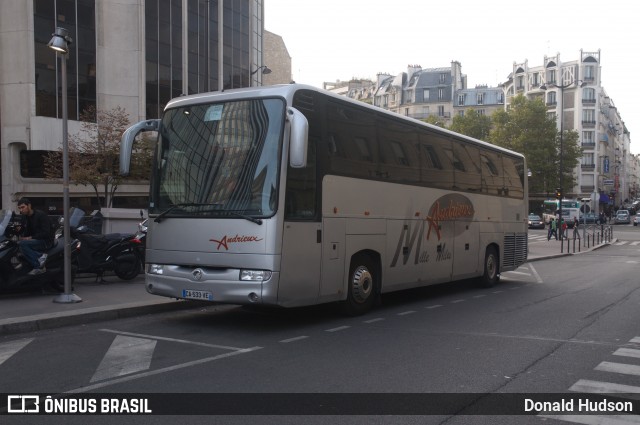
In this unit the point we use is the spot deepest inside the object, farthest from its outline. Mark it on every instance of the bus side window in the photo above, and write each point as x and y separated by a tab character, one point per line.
467	174
492	177
436	169
513	176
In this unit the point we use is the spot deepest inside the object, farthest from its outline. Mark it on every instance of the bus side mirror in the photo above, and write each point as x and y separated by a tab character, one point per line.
298	140
126	142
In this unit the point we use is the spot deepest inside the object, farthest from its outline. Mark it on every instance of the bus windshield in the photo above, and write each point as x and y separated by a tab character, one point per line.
218	160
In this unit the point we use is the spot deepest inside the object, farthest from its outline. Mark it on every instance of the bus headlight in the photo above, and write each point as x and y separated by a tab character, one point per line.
255	275
155	269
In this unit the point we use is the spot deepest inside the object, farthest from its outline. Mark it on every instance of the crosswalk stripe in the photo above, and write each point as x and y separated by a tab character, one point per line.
635	243
596	420
628	352
126	355
596	387
8	349
626	369
621	243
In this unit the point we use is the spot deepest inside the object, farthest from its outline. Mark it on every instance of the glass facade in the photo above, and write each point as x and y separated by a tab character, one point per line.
77	17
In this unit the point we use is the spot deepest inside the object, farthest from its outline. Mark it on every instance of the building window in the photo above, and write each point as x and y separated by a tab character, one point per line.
588	138
77	17
588	95
588	116
535	79
461	113
461	99
481	112
443	78
551	76
480	99
440	94
589	73
441	111
551	98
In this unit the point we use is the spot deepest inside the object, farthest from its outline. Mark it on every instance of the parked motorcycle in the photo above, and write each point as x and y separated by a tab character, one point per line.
115	252
14	269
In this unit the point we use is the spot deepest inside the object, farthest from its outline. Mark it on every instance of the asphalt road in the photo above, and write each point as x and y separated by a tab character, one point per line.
554	326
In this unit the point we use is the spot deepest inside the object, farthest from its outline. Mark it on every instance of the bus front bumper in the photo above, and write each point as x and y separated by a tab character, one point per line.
214	285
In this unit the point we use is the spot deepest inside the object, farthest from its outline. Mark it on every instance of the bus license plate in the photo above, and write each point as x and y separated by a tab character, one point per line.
197	295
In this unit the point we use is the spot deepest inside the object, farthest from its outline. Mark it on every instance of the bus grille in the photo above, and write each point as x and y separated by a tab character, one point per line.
515	250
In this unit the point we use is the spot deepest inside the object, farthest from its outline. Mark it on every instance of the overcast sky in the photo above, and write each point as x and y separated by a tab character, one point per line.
331	40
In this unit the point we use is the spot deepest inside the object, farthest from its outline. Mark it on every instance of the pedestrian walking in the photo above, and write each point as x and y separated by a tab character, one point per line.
553	231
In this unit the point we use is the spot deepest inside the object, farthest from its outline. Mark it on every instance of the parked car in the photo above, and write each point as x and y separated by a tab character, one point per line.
636	220
622	217
535	222
589	218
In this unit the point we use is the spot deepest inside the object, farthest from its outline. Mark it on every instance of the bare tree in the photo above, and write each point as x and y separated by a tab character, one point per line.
94	154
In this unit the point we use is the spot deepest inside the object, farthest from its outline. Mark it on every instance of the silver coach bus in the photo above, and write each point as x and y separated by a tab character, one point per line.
289	195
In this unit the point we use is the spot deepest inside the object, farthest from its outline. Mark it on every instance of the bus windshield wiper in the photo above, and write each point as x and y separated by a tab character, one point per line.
158	219
258	221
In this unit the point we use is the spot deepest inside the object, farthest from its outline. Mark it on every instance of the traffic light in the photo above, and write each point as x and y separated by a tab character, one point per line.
559	193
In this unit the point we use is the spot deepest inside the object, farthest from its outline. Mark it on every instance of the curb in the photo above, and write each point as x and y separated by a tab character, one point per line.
565	254
90	315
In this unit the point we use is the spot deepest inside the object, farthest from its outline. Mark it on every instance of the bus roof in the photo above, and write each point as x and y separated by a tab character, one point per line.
287	91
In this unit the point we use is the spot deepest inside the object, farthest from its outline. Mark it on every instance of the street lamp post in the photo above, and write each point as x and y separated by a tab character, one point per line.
59	42
562	87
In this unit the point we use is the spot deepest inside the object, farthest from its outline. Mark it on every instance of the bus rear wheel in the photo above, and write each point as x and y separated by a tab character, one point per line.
491	274
363	286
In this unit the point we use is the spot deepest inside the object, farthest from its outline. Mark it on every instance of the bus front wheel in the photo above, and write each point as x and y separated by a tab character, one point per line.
491	274
363	287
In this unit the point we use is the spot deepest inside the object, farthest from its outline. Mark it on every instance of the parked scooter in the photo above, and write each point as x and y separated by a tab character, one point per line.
14	269
101	253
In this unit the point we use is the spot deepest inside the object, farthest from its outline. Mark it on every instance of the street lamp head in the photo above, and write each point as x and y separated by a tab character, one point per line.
60	41
265	70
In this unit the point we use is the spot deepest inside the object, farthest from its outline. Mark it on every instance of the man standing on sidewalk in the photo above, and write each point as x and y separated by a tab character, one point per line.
36	236
552	229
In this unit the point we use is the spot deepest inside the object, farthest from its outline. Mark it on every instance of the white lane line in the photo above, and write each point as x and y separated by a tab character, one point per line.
181	341
297	338
433	306
126	355
625	369
457	301
377	319
8	349
597	387
90	388
480	296
627	352
497	292
535	273
339	328
404	313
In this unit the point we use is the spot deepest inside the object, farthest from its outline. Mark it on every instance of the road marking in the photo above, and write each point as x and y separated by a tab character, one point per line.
628	352
126	355
433	306
339	328
404	313
90	388
457	301
625	369
497	292
480	296
377	319
596	420
8	349
181	341
535	273
297	338
635	340
596	387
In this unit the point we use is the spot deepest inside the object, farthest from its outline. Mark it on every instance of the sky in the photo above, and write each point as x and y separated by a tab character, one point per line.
330	40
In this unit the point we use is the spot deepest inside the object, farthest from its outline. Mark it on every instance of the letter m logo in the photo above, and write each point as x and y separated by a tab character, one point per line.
406	242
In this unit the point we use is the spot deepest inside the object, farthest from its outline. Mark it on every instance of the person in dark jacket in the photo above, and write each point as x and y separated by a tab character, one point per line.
36	236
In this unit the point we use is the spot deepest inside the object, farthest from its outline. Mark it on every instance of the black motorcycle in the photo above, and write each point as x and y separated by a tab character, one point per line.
14	269
111	252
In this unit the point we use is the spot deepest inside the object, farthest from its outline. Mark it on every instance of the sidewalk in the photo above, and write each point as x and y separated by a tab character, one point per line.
27	312
116	299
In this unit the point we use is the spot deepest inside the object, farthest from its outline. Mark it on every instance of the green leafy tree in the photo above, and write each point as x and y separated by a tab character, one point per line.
433	119
527	128
472	124
94	154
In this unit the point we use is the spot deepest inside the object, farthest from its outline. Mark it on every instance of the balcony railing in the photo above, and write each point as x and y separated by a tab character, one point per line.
588	166
588	124
588	101
589	145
